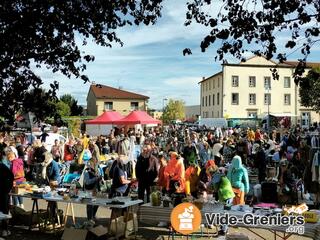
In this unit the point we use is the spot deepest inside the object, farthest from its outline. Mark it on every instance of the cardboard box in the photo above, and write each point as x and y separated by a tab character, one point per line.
99	231
72	234
310	217
119	231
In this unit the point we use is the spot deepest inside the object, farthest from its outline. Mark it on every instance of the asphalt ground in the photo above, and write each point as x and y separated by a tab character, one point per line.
145	231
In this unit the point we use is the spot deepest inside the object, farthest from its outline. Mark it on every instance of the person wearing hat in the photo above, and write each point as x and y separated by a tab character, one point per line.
238	176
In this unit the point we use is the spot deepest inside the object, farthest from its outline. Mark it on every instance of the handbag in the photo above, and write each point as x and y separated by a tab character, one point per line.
86	155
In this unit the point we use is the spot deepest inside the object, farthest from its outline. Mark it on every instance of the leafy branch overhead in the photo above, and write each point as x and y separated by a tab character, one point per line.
35	34
254	26
309	90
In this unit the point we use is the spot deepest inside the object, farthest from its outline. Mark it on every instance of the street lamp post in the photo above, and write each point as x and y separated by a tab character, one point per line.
268	119
163	100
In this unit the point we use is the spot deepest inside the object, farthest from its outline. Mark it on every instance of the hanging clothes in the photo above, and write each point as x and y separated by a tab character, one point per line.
315	142
315	167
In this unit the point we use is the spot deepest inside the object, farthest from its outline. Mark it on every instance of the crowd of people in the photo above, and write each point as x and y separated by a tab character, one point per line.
175	160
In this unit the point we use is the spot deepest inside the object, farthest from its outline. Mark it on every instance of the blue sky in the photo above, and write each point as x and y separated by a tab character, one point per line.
151	60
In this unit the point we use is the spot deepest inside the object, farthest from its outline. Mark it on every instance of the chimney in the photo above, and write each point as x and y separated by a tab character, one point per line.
203	78
93	83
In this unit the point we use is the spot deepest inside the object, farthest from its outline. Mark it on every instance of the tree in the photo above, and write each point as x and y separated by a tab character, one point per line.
63	109
243	26
36	34
38	102
75	110
309	90
174	110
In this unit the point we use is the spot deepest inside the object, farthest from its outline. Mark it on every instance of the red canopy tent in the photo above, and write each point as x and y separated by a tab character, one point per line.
108	117
137	117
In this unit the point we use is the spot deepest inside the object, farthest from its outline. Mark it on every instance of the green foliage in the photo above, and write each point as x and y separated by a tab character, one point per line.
75	110
309	90
174	110
63	109
253	26
74	126
40	103
42	34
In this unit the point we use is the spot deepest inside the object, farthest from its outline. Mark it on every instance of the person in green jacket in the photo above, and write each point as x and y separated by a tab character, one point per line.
225	192
238	176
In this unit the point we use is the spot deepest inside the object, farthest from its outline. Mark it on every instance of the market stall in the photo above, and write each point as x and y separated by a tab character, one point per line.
147	212
71	197
103	124
137	117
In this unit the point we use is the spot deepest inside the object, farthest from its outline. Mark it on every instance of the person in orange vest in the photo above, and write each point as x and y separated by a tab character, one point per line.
192	179
175	174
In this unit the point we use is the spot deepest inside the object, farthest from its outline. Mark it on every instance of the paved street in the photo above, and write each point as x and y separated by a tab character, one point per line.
147	232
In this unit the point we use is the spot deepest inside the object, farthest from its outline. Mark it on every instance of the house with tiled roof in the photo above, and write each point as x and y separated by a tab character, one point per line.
105	98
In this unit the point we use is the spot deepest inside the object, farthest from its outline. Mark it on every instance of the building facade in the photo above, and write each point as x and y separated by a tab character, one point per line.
192	112
247	90
105	98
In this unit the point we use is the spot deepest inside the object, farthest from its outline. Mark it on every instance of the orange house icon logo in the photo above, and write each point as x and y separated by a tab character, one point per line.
185	218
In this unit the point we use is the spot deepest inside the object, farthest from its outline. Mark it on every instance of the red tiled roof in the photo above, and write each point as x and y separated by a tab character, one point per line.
102	91
308	64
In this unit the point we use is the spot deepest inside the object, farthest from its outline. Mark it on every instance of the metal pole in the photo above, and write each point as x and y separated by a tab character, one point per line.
163	100
269	98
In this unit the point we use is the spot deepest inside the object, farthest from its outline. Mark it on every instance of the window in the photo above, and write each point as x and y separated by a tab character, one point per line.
213	98
287	99
206	100
134	106
218	82
252	115
267	82
213	84
235	81
287	82
267	99
202	101
252	81
210	85
235	98
252	99
108	105
209	100
218	98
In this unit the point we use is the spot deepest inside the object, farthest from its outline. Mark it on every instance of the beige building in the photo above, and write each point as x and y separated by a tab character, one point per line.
104	98
247	90
156	114
192	112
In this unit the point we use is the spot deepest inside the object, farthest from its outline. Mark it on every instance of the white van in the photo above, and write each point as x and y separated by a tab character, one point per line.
213	122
